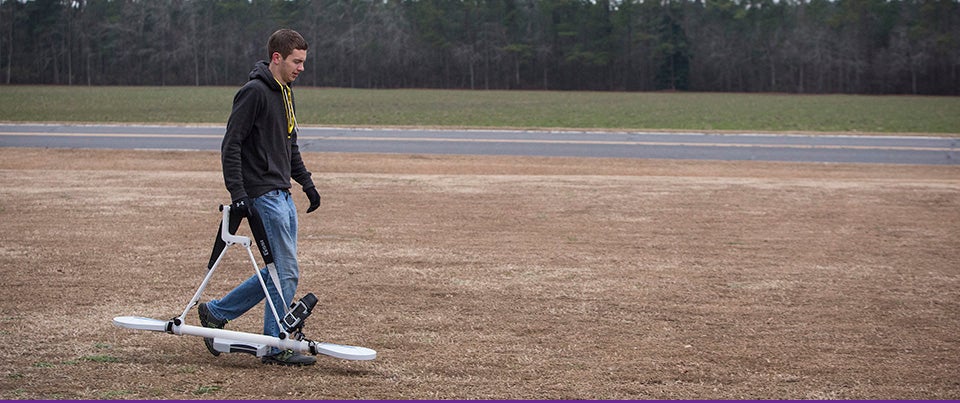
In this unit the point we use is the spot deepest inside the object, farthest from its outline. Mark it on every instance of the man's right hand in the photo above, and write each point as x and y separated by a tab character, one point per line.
242	206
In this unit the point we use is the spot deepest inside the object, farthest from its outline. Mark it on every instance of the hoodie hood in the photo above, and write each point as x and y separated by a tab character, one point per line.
261	71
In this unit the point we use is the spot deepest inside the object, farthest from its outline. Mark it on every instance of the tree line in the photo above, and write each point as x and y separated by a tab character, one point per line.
793	46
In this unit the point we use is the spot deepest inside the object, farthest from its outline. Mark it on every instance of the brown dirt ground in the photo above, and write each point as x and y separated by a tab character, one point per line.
496	278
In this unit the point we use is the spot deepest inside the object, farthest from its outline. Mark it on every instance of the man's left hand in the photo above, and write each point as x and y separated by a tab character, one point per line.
314	197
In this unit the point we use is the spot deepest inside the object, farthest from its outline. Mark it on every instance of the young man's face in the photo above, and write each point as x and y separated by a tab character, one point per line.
288	69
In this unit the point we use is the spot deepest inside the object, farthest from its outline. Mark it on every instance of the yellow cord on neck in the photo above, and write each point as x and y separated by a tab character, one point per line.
288	107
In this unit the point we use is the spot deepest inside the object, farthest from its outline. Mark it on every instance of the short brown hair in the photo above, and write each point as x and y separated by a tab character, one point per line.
284	41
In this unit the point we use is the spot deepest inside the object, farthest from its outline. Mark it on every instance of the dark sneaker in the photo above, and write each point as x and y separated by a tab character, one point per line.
288	357
207	320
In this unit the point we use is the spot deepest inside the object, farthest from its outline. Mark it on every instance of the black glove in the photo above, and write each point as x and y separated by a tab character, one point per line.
242	206
314	198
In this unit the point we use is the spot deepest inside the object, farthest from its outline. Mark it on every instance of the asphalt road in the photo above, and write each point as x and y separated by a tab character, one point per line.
696	146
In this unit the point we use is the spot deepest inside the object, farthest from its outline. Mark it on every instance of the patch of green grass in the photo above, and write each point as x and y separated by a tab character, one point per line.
115	104
206	389
631	111
113	394
499	109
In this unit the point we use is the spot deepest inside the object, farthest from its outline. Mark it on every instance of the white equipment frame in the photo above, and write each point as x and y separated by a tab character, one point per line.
234	341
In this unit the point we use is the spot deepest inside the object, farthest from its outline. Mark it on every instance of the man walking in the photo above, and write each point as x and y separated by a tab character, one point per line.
259	154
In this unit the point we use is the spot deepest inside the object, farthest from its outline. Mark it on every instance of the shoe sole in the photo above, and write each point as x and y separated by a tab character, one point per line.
209	344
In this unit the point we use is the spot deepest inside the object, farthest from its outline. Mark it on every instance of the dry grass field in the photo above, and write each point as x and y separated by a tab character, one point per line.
496	278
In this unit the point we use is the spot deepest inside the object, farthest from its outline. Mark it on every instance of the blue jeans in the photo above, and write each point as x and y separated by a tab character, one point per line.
279	217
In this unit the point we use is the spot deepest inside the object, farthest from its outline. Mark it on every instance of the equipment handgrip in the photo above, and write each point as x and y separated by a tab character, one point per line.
225	230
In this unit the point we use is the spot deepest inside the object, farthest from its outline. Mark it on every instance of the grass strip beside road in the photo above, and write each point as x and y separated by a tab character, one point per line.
850	114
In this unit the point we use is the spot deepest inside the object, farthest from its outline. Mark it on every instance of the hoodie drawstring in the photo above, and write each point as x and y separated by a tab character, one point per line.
288	107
